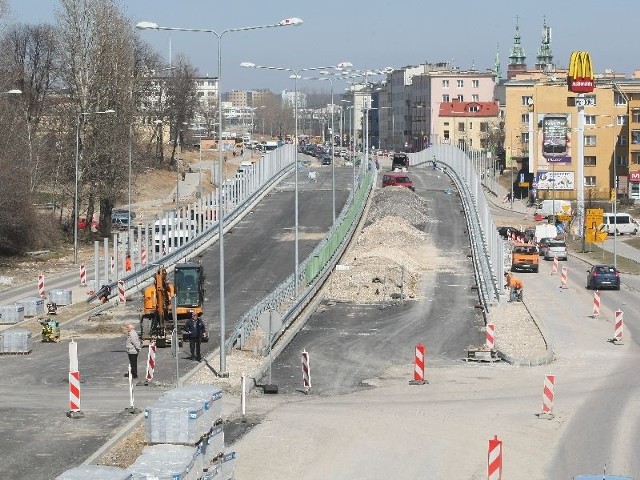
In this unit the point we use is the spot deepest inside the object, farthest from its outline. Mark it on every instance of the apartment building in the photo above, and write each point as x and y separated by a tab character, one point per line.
412	101
541	136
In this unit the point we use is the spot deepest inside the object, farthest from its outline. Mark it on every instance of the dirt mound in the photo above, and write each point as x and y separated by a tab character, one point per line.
399	202
391	253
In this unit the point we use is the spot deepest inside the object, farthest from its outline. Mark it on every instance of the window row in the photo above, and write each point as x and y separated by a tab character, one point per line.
460	83
460	98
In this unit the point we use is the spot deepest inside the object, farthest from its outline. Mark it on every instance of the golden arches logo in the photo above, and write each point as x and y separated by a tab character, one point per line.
580	76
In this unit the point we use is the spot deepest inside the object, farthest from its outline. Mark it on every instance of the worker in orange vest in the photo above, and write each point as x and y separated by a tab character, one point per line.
515	286
127	263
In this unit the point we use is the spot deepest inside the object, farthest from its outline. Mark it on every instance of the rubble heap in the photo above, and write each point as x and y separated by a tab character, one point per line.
391	253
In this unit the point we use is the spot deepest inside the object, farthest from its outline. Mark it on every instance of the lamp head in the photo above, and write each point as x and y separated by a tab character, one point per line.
147	26
247	64
292	21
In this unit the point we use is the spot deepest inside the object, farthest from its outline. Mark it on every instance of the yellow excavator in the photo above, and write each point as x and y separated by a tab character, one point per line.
156	323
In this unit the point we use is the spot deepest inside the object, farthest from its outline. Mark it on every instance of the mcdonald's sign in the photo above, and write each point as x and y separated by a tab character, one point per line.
580	76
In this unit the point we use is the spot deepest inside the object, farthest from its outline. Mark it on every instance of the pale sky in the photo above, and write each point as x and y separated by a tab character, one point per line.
374	34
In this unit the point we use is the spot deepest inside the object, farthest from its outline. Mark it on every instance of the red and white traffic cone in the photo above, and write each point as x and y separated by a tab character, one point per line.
151	362
490	340
596	303
121	292
41	285
418	366
306	372
548	396
563	278
618	325
83	275
494	460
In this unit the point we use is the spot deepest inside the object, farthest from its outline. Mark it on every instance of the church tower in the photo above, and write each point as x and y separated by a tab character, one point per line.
517	58
544	60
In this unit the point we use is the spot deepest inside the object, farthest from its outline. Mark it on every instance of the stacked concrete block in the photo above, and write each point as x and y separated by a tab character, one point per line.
33	306
61	297
16	340
95	472
184	415
223	469
166	462
11	314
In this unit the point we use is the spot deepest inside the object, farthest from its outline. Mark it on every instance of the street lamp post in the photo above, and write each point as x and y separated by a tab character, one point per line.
293	21
295	75
76	217
130	161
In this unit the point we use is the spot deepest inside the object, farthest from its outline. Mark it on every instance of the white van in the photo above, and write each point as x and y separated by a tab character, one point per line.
621	222
547	207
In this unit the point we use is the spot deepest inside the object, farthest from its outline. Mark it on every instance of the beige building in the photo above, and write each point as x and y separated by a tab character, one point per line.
541	135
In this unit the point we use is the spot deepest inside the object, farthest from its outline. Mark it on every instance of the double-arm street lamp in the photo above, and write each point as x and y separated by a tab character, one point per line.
293	21
76	217
295	75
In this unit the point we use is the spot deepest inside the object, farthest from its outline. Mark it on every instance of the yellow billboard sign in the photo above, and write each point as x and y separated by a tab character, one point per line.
580	77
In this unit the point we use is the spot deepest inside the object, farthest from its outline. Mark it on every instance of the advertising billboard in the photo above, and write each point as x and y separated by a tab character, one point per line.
555	180
554	139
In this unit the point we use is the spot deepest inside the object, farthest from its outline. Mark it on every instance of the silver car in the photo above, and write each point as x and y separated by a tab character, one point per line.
556	249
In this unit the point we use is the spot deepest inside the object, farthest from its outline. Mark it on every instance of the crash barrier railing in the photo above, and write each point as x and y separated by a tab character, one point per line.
468	170
314	271
238	198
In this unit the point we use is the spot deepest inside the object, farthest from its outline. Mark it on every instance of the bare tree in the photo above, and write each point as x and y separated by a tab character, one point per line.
181	101
27	56
98	45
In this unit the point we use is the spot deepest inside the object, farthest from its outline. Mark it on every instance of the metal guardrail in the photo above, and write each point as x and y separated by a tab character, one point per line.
283	298
283	156
487	246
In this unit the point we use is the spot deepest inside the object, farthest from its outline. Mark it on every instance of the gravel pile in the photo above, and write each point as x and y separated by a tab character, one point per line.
390	255
399	202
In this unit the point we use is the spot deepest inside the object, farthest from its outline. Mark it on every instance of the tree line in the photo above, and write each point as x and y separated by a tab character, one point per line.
53	80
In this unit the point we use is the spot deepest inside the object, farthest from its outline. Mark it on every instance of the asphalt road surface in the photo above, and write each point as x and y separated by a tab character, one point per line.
350	343
362	419
38	441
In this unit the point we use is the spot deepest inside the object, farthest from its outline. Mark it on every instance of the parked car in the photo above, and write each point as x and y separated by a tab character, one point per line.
543	244
397	179
325	159
603	276
555	249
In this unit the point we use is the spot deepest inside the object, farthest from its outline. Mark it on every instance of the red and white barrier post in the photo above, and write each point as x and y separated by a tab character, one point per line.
418	366
74	382
494	461
306	372
563	278
618	325
554	269
83	275
143	256
41	285
547	396
121	292
151	362
490	341
596	303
